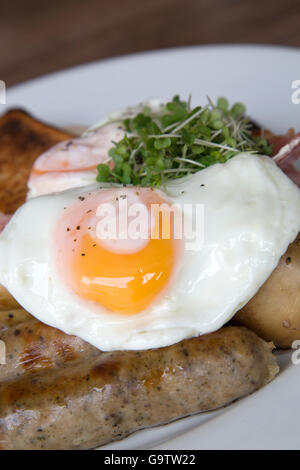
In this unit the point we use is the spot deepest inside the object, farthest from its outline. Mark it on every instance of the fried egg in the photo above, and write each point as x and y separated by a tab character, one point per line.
73	163
123	292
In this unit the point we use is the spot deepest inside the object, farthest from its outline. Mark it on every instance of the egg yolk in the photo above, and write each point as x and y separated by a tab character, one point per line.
124	276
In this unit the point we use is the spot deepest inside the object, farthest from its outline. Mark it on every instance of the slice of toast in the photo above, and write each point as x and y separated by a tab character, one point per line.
22	140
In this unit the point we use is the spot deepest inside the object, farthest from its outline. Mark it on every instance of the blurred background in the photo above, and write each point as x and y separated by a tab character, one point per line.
40	37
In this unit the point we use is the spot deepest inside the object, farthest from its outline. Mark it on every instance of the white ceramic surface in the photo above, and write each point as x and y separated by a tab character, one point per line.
262	78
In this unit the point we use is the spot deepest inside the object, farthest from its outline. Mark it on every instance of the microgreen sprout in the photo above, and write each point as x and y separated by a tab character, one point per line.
179	140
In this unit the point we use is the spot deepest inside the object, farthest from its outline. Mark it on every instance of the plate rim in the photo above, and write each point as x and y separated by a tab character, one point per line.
154	53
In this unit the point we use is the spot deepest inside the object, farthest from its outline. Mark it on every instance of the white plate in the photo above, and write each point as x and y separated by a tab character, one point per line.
262	78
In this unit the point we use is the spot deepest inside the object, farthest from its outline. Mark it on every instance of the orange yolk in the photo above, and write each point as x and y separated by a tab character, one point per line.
122	282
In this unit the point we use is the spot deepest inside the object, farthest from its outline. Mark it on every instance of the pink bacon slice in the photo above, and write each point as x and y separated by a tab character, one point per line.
287	155
293	173
286	151
4	219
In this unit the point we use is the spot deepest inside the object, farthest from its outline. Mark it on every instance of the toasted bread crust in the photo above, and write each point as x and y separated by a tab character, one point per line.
22	140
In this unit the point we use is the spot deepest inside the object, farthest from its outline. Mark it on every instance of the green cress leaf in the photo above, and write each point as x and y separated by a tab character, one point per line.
162	143
178	141
103	173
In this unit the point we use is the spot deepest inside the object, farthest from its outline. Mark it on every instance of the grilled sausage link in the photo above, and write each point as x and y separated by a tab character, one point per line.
12	317
7	301
33	346
88	403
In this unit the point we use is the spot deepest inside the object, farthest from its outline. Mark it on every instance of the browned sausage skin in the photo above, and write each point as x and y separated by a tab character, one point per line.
7	301
97	399
12	317
33	346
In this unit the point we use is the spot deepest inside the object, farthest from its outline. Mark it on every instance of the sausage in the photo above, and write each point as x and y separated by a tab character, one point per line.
12	317
7	301
33	346
274	312
97	399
